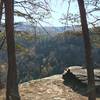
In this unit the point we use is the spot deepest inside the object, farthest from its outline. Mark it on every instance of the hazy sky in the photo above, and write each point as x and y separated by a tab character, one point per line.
59	8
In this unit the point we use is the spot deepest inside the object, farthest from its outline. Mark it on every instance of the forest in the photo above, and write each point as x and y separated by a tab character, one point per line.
34	55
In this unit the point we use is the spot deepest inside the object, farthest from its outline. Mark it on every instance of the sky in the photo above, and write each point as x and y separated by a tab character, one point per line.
59	8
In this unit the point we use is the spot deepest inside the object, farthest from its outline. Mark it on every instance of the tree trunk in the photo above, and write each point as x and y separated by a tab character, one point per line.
12	86
88	56
1	8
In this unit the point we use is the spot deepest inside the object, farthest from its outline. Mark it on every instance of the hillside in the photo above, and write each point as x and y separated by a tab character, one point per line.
45	56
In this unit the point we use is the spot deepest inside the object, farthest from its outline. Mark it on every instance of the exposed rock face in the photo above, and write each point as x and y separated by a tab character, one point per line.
79	74
56	88
50	88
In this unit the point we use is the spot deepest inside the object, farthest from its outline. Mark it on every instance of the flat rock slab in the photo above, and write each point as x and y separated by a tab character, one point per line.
50	88
81	73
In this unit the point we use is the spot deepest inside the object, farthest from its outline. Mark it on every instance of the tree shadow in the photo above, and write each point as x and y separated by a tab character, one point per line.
79	83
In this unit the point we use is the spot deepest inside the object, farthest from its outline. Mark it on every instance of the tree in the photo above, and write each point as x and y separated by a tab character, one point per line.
89	63
92	10
12	87
1	8
32	10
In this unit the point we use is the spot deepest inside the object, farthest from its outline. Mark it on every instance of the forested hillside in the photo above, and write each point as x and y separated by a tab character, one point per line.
42	56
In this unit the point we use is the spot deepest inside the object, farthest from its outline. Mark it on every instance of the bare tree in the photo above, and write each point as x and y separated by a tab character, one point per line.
89	63
1	9
92	6
35	11
12	87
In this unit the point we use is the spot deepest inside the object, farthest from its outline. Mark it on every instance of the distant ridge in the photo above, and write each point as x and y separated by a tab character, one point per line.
53	30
